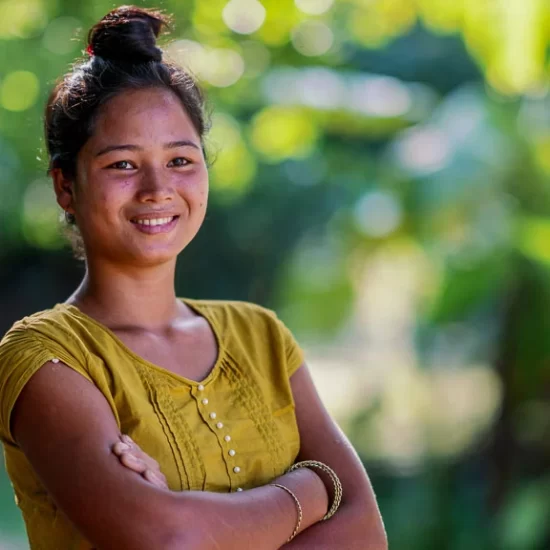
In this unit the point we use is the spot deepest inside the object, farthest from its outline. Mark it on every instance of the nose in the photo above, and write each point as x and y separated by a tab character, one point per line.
155	187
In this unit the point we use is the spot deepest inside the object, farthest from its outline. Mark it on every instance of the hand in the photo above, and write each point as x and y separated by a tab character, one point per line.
133	458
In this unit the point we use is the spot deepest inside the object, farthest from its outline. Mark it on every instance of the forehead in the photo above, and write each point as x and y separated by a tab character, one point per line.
143	115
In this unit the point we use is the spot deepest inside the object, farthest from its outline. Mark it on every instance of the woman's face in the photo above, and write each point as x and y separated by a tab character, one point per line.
142	184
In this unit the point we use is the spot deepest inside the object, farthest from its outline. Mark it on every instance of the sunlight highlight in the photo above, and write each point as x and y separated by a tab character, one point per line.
244	16
314	7
312	38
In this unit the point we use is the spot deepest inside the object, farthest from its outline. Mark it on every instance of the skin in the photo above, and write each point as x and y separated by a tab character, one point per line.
113	492
130	275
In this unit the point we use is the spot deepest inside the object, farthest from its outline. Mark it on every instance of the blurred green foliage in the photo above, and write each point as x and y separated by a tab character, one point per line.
380	176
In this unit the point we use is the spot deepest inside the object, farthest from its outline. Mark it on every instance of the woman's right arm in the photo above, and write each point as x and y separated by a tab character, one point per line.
66	429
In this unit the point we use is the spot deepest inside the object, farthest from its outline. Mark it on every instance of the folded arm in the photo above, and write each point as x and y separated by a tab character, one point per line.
67	431
357	525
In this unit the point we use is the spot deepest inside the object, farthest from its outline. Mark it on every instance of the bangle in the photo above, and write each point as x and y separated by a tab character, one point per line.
298	508
338	491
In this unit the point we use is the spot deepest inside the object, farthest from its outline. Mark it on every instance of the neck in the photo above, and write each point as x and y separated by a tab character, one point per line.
142	298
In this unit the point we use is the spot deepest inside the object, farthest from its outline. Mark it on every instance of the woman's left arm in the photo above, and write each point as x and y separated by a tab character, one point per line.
357	525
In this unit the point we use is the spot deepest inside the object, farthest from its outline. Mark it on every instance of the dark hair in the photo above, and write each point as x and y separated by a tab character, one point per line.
124	56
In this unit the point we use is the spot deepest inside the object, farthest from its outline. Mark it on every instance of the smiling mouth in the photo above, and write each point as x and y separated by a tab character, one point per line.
152	222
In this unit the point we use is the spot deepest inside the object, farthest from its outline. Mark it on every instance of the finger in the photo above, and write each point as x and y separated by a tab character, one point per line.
137	453
151	462
134	463
129	444
135	450
119	447
126	444
153	478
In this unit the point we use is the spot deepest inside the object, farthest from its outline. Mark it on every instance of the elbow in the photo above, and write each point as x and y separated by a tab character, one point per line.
380	538
375	538
370	528
382	543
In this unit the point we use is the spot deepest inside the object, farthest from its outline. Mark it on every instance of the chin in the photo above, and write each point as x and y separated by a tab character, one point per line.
138	253
152	258
148	257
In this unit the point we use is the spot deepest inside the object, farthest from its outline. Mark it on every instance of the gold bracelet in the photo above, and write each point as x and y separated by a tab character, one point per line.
338	491
298	508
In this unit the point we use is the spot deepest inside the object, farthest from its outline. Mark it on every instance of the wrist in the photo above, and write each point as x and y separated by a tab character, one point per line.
325	472
310	491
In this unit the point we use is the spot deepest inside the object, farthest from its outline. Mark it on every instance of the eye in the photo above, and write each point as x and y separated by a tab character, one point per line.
122	165
179	161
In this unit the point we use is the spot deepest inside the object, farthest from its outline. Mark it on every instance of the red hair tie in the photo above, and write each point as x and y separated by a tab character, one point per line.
90	50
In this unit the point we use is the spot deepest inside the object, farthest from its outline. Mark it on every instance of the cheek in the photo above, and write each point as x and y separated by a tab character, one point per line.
196	186
103	202
114	191
203	197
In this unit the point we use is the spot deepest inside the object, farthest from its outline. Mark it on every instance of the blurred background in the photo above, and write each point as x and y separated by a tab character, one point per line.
381	178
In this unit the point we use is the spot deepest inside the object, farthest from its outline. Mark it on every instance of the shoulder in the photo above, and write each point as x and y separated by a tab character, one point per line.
29	344
51	328
41	321
26	330
234	313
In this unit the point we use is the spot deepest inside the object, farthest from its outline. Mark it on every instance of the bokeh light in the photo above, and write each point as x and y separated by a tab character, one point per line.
60	35
21	18
244	16
279	133
41	215
220	67
19	91
423	150
377	213
312	38
380	96
314	7
256	58
234	167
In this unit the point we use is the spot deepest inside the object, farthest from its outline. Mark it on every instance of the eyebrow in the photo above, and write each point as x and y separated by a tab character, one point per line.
130	147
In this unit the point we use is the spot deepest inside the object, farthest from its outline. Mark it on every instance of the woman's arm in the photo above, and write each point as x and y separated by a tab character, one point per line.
357	524
67	430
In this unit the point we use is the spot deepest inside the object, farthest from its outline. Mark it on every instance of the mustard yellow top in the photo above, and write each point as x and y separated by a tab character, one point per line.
248	390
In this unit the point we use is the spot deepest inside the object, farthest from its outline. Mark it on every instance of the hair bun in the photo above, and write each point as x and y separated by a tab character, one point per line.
128	34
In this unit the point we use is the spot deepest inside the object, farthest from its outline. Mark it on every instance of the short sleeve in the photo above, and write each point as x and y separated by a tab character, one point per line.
293	352
22	353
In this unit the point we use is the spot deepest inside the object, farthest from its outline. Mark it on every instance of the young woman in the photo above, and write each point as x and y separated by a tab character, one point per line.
215	395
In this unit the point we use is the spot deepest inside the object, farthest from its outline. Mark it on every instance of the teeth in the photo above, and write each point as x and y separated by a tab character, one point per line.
157	221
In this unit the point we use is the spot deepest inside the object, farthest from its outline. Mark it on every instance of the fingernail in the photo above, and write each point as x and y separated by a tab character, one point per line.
127	439
122	446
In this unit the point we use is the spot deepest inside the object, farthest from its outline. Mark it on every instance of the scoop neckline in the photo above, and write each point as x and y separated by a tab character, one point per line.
192	304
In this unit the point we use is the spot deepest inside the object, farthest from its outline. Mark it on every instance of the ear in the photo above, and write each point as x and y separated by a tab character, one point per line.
64	190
